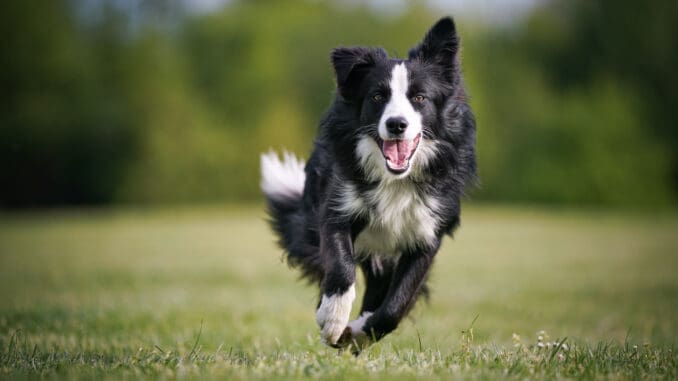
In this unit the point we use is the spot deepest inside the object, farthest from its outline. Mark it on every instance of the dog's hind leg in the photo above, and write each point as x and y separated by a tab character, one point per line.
378	276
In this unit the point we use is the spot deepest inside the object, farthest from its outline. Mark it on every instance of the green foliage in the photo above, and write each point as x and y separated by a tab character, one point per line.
580	41
200	293
575	105
66	132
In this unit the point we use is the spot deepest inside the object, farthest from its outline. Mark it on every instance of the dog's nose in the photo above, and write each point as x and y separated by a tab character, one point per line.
396	125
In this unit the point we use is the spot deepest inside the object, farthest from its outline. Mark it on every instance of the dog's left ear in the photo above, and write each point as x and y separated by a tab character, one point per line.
440	46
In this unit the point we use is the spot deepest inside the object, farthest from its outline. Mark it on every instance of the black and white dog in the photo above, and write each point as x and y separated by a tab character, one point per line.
394	153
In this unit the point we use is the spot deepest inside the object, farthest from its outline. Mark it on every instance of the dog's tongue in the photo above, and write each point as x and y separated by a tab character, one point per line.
398	151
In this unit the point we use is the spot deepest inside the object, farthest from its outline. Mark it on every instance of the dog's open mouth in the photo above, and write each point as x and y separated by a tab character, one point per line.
398	153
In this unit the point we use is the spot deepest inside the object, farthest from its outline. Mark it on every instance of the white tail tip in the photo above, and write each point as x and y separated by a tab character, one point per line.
282	179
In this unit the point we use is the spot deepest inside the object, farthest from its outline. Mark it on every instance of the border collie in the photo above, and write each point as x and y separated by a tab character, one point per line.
393	155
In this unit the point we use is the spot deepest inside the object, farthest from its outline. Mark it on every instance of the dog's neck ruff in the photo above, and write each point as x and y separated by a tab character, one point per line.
399	217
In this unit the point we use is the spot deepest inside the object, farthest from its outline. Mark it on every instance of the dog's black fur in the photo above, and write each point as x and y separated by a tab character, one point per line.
345	190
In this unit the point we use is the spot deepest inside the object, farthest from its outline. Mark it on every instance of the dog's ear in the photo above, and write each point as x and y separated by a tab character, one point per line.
351	65
440	47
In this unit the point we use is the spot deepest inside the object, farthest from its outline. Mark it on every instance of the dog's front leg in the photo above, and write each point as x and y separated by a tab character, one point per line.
406	284
338	285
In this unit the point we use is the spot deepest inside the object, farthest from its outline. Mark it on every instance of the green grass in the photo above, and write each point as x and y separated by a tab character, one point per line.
203	293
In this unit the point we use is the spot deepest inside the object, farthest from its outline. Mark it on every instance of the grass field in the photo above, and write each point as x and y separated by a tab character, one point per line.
203	293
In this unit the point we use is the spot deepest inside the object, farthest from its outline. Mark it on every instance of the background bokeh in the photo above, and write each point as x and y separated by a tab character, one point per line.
133	237
160	102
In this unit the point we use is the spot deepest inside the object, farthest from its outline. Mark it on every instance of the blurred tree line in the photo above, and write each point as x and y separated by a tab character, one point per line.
162	105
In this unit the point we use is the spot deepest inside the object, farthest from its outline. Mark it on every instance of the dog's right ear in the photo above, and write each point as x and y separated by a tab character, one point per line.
351	65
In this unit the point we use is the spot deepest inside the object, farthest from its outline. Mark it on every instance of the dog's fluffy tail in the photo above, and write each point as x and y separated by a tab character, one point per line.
282	181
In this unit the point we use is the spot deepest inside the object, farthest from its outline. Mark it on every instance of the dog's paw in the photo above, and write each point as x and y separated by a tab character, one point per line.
355	334
333	314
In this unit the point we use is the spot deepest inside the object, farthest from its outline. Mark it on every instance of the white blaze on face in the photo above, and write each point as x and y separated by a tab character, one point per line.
399	105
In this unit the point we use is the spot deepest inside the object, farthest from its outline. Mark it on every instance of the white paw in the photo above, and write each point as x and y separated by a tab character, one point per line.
358	324
333	314
359	337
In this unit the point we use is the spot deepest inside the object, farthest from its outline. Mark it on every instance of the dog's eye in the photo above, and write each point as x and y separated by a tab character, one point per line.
377	97
418	98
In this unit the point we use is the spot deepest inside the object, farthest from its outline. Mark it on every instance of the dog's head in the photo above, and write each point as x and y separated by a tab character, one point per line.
397	103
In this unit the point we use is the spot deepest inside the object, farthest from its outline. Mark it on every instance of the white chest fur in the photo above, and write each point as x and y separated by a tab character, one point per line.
398	217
